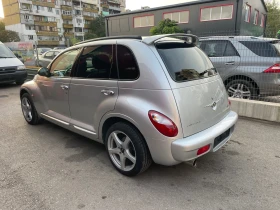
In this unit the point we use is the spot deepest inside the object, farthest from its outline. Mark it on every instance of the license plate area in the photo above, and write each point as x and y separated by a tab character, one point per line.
221	138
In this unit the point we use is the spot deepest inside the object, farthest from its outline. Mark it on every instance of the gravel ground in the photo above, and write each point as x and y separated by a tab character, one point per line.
47	167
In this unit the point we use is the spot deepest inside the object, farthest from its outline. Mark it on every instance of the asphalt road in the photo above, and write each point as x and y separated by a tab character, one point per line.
46	167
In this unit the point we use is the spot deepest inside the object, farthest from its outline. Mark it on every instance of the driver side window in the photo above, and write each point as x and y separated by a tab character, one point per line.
62	66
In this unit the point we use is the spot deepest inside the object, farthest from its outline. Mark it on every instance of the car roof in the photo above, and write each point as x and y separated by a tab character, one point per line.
239	38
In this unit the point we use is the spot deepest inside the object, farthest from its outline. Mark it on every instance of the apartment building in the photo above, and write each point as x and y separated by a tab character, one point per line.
51	23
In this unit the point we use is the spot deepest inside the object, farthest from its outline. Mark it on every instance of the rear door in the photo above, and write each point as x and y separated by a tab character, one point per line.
223	55
198	89
94	88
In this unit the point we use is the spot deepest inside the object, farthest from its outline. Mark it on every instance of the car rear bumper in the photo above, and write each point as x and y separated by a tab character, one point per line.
13	77
186	149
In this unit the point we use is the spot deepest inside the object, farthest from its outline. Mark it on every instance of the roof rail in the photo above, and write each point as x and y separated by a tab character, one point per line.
110	37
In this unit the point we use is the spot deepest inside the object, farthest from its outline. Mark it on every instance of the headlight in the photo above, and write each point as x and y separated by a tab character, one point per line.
21	68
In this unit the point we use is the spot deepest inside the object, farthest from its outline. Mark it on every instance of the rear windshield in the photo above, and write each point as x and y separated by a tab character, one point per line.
5	52
185	62
263	49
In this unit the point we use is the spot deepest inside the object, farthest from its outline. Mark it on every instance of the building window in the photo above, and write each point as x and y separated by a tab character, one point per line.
247	13
216	13
179	17
30	37
256	17
49	9
144	21
262	20
57	11
26	17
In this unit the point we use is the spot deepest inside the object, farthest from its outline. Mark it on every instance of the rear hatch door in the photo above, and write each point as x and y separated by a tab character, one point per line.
197	87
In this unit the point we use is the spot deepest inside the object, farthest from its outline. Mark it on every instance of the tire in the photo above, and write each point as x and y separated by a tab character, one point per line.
20	82
34	118
241	88
130	144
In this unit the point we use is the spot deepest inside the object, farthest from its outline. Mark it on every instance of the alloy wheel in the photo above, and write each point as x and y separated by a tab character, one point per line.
121	151
239	90
26	109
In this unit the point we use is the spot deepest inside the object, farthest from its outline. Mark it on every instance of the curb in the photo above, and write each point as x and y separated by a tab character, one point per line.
256	109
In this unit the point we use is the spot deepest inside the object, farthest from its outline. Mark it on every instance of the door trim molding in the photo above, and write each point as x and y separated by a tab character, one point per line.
53	118
84	130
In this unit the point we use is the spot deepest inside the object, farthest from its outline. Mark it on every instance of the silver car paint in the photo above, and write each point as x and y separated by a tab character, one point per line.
247	64
131	101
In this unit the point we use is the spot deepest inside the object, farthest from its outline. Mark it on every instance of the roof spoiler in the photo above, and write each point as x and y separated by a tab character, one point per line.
152	39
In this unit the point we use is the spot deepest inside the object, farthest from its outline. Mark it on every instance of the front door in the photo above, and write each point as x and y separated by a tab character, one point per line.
223	55
55	88
94	88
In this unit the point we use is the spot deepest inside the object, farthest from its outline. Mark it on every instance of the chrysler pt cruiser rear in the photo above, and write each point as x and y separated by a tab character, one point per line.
147	99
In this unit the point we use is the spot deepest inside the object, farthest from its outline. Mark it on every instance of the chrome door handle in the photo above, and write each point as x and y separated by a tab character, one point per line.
108	92
64	87
230	63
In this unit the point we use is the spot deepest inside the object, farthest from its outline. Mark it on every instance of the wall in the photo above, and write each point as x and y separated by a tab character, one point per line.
23	33
250	29
11	12
123	24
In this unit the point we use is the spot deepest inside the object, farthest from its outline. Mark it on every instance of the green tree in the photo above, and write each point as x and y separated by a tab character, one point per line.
2	26
9	36
166	26
97	28
273	19
74	41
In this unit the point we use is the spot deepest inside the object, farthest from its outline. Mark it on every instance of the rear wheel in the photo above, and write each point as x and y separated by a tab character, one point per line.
127	149
241	89
28	109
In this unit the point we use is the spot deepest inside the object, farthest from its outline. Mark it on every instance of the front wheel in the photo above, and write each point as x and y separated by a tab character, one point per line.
242	89
127	149
28	109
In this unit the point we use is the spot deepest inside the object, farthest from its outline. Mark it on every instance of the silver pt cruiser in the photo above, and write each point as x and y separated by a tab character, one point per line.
157	99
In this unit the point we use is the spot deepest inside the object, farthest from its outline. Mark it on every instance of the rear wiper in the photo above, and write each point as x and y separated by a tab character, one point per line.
207	71
5	57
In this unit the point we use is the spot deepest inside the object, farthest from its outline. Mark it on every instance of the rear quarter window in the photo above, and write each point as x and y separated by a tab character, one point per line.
185	62
263	49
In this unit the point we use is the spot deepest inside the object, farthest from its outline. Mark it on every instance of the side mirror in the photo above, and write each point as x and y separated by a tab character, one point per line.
44	72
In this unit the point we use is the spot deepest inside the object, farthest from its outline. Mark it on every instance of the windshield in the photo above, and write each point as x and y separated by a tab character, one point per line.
185	62
6	52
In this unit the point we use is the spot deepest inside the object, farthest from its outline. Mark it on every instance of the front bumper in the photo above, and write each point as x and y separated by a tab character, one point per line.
186	149
16	76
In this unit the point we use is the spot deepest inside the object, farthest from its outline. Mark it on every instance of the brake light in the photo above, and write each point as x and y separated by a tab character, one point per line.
163	124
273	69
229	102
203	149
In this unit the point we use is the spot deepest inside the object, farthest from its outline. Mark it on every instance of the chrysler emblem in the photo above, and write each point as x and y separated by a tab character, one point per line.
213	105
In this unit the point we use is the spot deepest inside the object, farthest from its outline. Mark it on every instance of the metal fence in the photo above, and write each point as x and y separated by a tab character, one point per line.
248	65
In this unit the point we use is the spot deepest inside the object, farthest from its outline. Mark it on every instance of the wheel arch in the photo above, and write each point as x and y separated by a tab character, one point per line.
247	78
110	120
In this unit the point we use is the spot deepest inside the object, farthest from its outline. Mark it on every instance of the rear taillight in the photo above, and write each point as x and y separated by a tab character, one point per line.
163	124
229	102
273	69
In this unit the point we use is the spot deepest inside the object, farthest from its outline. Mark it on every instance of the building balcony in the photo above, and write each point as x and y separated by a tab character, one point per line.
67	17
69	34
66	7
24	21
95	10
44	23
79	33
114	2
104	5
47	33
26	10
90	18
115	8
87	26
43	4
67	25
48	43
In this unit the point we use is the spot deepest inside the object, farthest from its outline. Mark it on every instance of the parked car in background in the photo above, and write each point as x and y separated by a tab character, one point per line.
156	98
59	48
11	68
47	57
41	51
249	66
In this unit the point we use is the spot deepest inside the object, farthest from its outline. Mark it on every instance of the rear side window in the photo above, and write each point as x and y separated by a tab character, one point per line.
185	62
127	65
263	49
